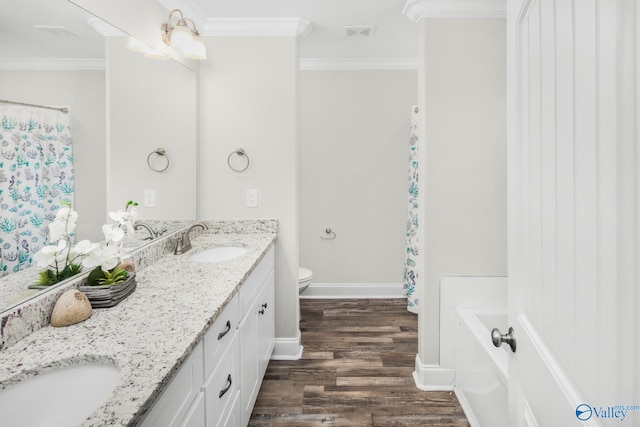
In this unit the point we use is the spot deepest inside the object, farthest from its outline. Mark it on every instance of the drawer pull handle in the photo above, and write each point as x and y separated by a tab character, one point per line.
225	332
227	388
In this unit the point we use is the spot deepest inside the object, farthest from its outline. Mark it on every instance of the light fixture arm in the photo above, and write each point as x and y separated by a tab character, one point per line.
167	31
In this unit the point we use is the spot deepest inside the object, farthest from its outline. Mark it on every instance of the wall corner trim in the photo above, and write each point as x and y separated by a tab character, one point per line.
288	348
294	27
433	377
418	9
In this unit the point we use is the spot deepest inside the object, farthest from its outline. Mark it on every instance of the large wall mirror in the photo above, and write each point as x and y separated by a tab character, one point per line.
124	108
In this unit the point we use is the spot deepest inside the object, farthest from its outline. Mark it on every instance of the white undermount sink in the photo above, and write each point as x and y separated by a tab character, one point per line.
218	254
60	397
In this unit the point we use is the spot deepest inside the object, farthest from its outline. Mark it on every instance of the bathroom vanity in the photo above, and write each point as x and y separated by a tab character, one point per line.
219	382
191	344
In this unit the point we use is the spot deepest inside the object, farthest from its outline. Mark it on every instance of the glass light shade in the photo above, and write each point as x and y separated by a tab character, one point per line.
197	49
155	54
181	37
135	45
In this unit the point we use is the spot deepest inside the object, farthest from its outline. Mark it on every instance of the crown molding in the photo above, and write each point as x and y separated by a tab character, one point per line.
294	27
418	9
103	28
358	64
52	64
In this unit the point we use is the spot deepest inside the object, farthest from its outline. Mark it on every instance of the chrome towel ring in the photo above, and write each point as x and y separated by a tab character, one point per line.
329	234
162	154
240	153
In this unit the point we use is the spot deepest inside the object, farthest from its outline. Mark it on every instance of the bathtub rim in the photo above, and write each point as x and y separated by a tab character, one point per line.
482	336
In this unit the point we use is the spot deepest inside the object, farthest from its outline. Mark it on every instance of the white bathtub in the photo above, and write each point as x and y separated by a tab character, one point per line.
481	369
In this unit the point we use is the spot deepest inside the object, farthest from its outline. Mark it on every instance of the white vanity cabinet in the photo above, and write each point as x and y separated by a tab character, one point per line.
218	384
181	404
221	385
257	333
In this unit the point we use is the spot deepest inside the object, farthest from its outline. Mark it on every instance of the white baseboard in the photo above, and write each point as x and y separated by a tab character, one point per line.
466	408
353	290
287	348
433	377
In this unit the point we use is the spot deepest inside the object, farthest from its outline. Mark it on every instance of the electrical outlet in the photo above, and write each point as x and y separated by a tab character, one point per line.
252	198
149	198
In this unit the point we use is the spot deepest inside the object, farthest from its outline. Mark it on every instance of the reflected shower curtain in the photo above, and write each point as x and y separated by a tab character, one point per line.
36	174
411	253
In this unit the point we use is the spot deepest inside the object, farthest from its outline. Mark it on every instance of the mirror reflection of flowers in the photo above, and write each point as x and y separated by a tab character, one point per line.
63	260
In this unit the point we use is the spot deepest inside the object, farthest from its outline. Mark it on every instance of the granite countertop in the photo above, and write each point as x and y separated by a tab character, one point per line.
149	334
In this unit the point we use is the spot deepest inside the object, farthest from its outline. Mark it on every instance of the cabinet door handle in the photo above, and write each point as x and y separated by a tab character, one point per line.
261	311
227	388
264	305
226	331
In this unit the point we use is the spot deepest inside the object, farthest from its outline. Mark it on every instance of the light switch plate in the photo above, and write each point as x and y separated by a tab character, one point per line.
252	198
149	198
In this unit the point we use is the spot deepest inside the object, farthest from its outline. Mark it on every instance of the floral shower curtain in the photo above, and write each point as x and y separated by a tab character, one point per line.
411	253
36	174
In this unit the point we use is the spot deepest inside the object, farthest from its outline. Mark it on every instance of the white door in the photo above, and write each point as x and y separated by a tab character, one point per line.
574	198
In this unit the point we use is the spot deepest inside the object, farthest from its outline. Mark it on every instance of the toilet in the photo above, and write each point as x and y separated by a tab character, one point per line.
304	279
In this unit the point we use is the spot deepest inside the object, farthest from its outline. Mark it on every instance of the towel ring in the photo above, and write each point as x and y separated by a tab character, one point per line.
239	152
329	234
162	153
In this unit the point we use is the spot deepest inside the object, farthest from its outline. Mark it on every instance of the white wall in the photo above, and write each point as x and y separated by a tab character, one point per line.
463	169
84	92
354	148
248	100
151	104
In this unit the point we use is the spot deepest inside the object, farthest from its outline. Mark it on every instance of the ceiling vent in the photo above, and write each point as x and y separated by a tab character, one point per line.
360	30
59	31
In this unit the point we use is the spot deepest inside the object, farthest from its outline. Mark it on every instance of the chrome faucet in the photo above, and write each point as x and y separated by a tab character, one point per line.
184	244
146	226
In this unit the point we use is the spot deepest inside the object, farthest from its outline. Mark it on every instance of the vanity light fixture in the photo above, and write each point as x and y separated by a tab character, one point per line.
135	45
182	38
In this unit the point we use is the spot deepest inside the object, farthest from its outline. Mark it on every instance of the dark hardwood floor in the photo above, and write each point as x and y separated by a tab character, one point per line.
356	370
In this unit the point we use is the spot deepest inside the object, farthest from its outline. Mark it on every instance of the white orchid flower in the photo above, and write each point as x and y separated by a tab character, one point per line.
111	233
57	230
83	247
48	255
106	257
63	224
125	218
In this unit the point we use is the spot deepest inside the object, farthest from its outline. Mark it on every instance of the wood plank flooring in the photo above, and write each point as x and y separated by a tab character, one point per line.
356	370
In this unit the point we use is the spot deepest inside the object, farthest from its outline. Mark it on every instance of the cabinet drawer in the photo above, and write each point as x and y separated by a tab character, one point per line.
196	416
170	409
221	390
251	286
219	337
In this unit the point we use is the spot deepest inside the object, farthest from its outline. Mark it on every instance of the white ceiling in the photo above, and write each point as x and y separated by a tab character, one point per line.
394	35
20	40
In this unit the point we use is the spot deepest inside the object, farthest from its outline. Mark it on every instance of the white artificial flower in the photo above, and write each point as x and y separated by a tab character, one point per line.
92	259
48	255
106	257
125	219
111	233
63	224
57	230
63	213
84	247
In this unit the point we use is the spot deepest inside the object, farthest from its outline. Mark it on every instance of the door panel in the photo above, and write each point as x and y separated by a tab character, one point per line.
573	208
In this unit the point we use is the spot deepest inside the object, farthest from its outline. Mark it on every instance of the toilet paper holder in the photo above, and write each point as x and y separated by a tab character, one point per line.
329	234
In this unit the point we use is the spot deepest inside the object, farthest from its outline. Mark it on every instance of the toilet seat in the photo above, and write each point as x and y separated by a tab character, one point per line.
304	279
304	274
